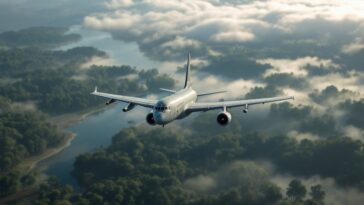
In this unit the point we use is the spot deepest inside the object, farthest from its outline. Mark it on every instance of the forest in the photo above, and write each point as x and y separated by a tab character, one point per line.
159	166
23	133
181	163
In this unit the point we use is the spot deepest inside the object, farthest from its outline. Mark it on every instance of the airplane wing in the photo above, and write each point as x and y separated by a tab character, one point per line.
128	99
205	106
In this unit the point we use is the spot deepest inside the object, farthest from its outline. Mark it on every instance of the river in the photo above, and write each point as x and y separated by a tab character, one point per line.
94	132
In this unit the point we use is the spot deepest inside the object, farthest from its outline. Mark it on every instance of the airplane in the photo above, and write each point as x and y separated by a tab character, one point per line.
180	104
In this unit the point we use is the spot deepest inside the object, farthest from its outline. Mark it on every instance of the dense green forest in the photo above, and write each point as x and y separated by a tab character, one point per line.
159	166
22	134
43	37
55	81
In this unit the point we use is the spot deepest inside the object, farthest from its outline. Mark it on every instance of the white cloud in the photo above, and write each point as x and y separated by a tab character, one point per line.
354	133
335	195
116	4
233	36
354	47
350	81
297	66
99	61
200	183
181	42
301	136
154	20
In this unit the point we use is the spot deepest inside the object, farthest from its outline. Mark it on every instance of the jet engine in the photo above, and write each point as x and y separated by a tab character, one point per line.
150	119
223	118
129	107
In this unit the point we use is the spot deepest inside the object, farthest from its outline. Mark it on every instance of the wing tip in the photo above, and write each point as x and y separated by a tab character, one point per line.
95	90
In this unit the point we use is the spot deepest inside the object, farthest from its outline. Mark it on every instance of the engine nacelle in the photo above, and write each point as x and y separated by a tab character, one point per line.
129	107
150	119
111	101
223	118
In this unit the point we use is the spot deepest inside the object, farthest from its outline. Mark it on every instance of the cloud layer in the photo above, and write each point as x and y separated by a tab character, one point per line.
166	27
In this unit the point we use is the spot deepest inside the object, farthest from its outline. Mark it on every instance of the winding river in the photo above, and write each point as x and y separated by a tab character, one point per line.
94	132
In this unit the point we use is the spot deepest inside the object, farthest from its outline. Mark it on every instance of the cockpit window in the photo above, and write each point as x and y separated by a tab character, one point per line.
161	108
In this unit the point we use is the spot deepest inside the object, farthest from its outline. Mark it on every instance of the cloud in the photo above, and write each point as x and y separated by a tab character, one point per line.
152	24
245	174
353	47
350	81
335	195
297	67
299	136
233	36
200	183
99	61
115	4
331	95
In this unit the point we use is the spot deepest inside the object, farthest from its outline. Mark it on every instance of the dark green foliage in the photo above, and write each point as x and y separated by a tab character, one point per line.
317	194
44	37
155	81
9	184
15	63
53	193
23	134
157	162
236	65
54	81
296	191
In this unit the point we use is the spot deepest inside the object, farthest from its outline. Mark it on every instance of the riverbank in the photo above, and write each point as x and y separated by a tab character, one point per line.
30	163
33	164
67	120
62	121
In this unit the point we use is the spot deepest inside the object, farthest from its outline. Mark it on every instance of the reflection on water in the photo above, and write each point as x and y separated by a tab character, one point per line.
94	132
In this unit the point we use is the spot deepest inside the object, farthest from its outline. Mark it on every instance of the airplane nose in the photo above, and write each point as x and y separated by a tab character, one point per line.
158	117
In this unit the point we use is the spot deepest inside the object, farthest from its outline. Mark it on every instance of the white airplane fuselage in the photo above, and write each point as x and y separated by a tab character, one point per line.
174	106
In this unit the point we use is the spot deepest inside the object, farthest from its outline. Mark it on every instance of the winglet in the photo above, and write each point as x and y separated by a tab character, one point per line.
95	91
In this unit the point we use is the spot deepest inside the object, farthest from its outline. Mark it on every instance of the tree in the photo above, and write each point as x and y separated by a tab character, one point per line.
317	193
296	191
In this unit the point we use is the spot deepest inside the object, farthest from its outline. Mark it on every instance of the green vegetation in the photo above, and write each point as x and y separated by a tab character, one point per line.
57	84
44	37
160	166
22	134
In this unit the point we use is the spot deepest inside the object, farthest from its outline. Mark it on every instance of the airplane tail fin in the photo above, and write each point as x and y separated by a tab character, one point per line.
187	80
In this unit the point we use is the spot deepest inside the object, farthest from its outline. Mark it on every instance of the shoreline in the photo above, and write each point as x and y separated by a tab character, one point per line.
67	120
63	121
31	163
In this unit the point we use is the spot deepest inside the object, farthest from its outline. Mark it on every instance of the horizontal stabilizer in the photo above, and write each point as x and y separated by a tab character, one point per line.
168	90
211	93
